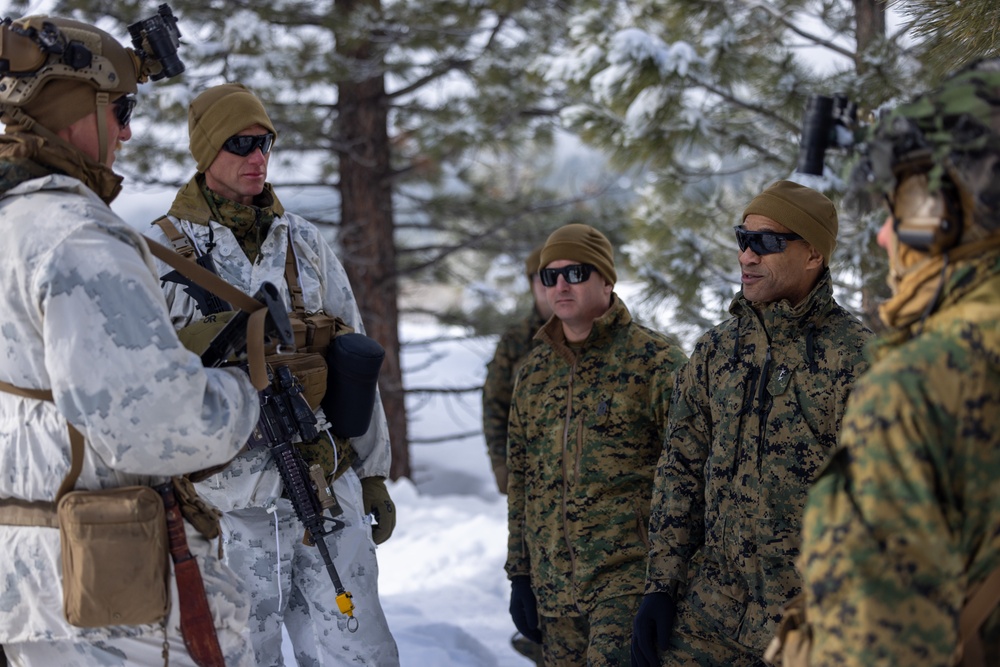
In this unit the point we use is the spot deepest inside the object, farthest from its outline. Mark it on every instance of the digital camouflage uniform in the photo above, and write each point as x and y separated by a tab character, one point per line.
586	429
753	417
288	580
514	345
81	313
904	523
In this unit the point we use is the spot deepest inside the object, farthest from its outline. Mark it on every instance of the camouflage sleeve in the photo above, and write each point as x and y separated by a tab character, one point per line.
151	406
676	525
517	551
497	392
882	557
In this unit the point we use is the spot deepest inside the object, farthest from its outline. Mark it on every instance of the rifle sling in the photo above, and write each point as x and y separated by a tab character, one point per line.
216	285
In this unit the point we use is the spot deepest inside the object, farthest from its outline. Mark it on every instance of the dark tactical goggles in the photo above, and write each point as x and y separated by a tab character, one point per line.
573	274
763	243
243	145
123	107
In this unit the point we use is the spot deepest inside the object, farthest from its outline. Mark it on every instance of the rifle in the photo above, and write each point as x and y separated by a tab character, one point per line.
284	413
208	302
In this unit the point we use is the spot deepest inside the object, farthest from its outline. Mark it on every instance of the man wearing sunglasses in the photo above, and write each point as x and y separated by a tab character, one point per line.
754	416
586	428
83	320
229	212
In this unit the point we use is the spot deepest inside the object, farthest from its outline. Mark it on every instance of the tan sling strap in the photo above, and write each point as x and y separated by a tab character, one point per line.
17	512
179	240
975	612
213	283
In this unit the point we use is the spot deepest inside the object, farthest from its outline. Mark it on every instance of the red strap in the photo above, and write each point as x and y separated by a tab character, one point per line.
197	625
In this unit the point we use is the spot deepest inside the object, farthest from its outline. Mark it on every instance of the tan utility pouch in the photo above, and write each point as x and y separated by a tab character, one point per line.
114	557
309	369
790	648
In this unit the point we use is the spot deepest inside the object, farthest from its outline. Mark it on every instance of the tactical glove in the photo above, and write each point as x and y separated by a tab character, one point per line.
651	630
524	608
376	501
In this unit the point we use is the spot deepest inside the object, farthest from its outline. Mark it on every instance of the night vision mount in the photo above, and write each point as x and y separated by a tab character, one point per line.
156	40
828	122
37	49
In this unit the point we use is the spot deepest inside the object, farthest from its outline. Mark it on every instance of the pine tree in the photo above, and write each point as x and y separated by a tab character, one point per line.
707	96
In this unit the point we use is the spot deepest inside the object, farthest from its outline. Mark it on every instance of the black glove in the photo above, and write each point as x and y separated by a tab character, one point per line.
651	630
524	608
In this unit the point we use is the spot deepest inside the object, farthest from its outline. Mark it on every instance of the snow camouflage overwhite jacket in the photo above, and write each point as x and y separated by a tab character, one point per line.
586	429
81	312
754	415
252	479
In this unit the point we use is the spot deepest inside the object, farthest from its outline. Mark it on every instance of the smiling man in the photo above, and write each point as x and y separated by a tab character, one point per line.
586	428
754	415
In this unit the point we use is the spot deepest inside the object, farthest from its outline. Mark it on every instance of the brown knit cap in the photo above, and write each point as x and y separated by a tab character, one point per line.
532	264
580	243
806	212
217	114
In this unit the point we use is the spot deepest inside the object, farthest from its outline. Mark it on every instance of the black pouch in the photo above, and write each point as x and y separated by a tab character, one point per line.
353	361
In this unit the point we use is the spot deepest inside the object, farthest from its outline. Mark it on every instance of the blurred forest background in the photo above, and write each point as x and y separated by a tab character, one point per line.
439	141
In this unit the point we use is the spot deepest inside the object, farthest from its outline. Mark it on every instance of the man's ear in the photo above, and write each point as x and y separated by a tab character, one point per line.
815	259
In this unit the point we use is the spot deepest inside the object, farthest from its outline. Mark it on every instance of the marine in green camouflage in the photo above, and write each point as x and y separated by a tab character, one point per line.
904	523
754	416
586	429
512	349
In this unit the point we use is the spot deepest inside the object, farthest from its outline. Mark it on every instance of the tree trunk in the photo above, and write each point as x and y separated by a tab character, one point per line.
367	226
869	18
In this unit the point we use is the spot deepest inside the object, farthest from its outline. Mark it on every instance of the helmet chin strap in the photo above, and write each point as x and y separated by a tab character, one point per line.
102	127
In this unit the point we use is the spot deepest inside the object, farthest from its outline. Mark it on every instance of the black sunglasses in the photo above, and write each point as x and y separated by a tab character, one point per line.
573	274
124	106
245	144
763	243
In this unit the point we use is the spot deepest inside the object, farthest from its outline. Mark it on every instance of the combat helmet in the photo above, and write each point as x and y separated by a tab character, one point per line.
936	160
54	71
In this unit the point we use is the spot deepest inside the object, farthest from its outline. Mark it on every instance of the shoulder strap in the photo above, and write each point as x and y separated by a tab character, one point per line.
977	609
292	279
182	246
213	283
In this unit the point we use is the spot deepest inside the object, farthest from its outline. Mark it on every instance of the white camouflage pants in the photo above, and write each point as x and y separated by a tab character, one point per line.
289	585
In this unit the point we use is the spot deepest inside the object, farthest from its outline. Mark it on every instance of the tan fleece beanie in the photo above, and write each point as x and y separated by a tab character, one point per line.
580	243
217	114
806	212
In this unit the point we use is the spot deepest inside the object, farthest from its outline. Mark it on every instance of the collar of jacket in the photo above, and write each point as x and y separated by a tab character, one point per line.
190	203
25	156
937	283
782	316
601	334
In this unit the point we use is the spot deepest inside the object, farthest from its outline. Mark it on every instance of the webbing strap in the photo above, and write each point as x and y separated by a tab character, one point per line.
292	279
16	512
975	612
177	238
213	283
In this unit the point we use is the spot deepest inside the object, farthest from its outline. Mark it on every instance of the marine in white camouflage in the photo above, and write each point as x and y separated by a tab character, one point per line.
81	313
288	582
